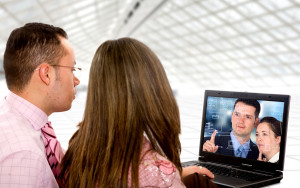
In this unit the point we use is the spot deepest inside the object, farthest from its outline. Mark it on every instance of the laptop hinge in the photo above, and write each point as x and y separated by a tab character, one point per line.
201	158
245	165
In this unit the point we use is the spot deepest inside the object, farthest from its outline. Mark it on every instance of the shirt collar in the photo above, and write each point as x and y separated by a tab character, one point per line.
33	114
236	144
275	158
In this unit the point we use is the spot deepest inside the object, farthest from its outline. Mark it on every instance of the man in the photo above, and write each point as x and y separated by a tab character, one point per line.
244	118
38	64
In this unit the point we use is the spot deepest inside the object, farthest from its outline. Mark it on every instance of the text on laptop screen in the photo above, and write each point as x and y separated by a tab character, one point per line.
245	128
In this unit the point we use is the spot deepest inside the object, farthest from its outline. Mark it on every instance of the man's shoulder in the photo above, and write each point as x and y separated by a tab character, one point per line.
17	134
10	120
8	114
4	107
26	161
253	146
13	148
222	139
253	153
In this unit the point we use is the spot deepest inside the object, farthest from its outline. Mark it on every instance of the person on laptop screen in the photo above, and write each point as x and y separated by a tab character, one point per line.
244	119
268	138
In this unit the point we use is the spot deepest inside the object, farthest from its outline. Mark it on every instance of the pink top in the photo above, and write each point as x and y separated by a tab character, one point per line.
155	170
23	162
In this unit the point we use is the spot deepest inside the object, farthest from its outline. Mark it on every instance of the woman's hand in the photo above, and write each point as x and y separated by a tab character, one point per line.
196	169
260	157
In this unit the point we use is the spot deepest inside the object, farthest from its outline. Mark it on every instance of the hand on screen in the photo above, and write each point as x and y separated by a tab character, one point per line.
209	145
260	157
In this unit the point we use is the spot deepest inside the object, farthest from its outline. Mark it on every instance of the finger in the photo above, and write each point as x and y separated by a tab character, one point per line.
265	159
215	149
213	136
207	146
260	156
195	169
210	146
205	171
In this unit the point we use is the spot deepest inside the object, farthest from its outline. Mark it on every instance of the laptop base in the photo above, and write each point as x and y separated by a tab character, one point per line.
225	181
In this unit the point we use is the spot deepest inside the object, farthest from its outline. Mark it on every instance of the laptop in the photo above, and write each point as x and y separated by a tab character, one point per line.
229	167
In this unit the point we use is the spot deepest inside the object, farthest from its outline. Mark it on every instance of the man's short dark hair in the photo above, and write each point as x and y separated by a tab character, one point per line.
26	48
250	102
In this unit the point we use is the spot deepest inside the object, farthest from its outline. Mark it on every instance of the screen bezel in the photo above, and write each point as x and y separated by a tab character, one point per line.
236	161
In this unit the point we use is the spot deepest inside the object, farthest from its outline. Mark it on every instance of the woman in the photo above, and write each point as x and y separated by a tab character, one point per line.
268	138
129	135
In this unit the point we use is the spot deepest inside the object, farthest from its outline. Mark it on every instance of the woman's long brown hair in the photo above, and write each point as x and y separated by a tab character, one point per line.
128	96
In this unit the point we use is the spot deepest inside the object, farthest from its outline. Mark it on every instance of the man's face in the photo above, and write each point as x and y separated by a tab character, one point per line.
63	91
243	120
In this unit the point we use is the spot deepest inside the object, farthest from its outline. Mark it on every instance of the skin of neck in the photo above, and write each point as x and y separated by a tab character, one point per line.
271	153
242	139
35	92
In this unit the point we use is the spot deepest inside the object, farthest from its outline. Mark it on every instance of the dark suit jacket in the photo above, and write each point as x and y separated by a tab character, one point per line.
222	142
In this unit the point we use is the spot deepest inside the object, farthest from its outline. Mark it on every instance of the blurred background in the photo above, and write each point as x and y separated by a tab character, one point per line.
233	45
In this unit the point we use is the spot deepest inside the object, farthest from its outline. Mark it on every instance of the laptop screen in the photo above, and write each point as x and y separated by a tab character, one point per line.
247	127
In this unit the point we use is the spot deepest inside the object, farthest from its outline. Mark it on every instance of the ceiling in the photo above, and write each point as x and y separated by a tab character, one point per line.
203	44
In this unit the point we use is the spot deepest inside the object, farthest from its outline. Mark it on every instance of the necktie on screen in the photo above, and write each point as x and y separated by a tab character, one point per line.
239	151
53	149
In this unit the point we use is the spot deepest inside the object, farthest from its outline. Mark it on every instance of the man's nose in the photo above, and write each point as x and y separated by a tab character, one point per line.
76	81
242	118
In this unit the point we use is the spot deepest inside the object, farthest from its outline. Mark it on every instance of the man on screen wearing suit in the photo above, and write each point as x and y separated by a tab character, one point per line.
244	118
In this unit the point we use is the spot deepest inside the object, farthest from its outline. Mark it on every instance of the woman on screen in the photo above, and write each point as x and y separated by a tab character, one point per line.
268	138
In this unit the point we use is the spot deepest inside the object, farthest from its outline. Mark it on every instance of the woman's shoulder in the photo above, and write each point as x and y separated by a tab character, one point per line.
157	171
275	158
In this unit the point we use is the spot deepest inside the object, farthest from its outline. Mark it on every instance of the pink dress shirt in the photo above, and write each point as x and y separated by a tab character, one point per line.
23	161
155	170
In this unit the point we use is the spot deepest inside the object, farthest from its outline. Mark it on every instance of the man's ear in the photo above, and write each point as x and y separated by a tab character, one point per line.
44	71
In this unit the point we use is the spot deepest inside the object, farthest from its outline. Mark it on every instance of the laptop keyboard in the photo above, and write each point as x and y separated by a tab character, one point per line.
233	172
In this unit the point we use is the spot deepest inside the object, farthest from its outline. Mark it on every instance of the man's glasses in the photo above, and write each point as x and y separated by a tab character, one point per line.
76	70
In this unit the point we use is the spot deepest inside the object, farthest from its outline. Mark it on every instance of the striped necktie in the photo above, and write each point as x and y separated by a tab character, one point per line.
53	149
239	151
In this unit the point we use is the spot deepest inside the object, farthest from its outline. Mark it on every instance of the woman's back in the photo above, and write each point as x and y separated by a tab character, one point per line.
129	96
155	170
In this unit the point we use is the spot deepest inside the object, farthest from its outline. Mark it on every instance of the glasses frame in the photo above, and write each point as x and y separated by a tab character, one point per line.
74	68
